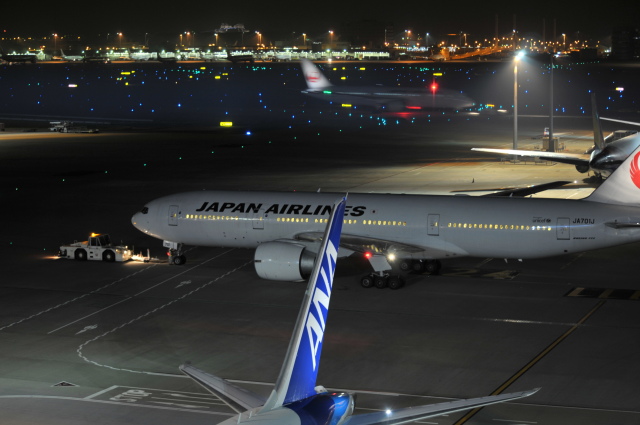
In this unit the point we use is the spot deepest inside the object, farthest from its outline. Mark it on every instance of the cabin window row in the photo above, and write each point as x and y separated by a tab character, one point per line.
210	217
300	220
497	226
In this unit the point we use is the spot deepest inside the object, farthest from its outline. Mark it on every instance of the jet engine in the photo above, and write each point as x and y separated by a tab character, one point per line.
283	261
582	168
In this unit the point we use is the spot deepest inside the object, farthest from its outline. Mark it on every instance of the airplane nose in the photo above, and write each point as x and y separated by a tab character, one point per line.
139	222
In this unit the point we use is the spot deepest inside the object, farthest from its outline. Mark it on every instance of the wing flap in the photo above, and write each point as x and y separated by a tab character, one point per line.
411	414
237	398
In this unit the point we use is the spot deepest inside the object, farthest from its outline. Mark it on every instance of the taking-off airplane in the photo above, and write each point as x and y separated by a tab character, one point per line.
295	399
413	231
381	98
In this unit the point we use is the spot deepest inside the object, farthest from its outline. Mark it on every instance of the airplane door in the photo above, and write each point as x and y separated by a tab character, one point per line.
433	222
258	222
173	215
563	229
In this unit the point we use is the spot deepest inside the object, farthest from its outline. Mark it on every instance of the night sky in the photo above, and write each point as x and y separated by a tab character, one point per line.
277	20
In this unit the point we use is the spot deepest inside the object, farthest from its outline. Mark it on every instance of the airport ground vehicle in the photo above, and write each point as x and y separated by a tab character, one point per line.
97	247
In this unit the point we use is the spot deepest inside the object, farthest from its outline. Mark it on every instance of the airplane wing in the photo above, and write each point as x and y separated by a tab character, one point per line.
565	158
411	414
620	121
529	190
237	398
362	244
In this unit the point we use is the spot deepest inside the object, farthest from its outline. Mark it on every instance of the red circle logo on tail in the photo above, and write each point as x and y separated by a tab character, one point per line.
634	170
313	77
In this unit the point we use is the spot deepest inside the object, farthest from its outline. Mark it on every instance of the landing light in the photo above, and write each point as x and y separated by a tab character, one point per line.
391	257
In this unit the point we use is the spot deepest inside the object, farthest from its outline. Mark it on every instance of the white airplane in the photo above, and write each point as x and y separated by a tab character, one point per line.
392	99
295	399
415	231
71	58
605	156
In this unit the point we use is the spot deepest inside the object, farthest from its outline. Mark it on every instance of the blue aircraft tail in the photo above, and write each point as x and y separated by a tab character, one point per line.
297	379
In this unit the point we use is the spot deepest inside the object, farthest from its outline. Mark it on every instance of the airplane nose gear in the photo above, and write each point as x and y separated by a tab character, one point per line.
175	253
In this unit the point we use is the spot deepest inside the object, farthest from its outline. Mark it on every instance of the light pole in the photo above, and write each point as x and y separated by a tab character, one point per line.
55	43
515	101
331	40
304	39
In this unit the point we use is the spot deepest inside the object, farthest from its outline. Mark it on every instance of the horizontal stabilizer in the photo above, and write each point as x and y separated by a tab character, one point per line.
411	414
619	225
239	399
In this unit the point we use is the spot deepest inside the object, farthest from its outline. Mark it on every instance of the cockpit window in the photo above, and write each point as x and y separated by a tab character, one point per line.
144	210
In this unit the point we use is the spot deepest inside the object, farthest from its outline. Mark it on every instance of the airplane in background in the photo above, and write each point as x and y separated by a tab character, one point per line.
390	99
412	231
295	399
71	58
603	158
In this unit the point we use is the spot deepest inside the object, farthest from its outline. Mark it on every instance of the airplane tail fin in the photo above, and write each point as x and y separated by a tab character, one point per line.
623	185
316	81
598	138
297	379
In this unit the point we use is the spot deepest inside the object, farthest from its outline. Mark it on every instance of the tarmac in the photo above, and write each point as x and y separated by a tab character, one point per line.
94	342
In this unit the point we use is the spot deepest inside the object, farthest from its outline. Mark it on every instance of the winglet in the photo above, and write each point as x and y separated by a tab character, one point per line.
598	138
297	379
316	81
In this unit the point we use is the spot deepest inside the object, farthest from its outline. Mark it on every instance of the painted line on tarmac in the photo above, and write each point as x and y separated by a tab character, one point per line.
135	295
75	299
86	343
534	361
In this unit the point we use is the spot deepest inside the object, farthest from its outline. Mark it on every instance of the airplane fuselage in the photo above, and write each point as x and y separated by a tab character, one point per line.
436	226
379	96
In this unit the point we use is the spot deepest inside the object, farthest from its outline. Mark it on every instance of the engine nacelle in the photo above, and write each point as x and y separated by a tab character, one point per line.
582	168
283	261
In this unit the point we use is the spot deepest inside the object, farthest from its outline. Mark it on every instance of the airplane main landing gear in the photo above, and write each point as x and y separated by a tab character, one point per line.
382	280
420	266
